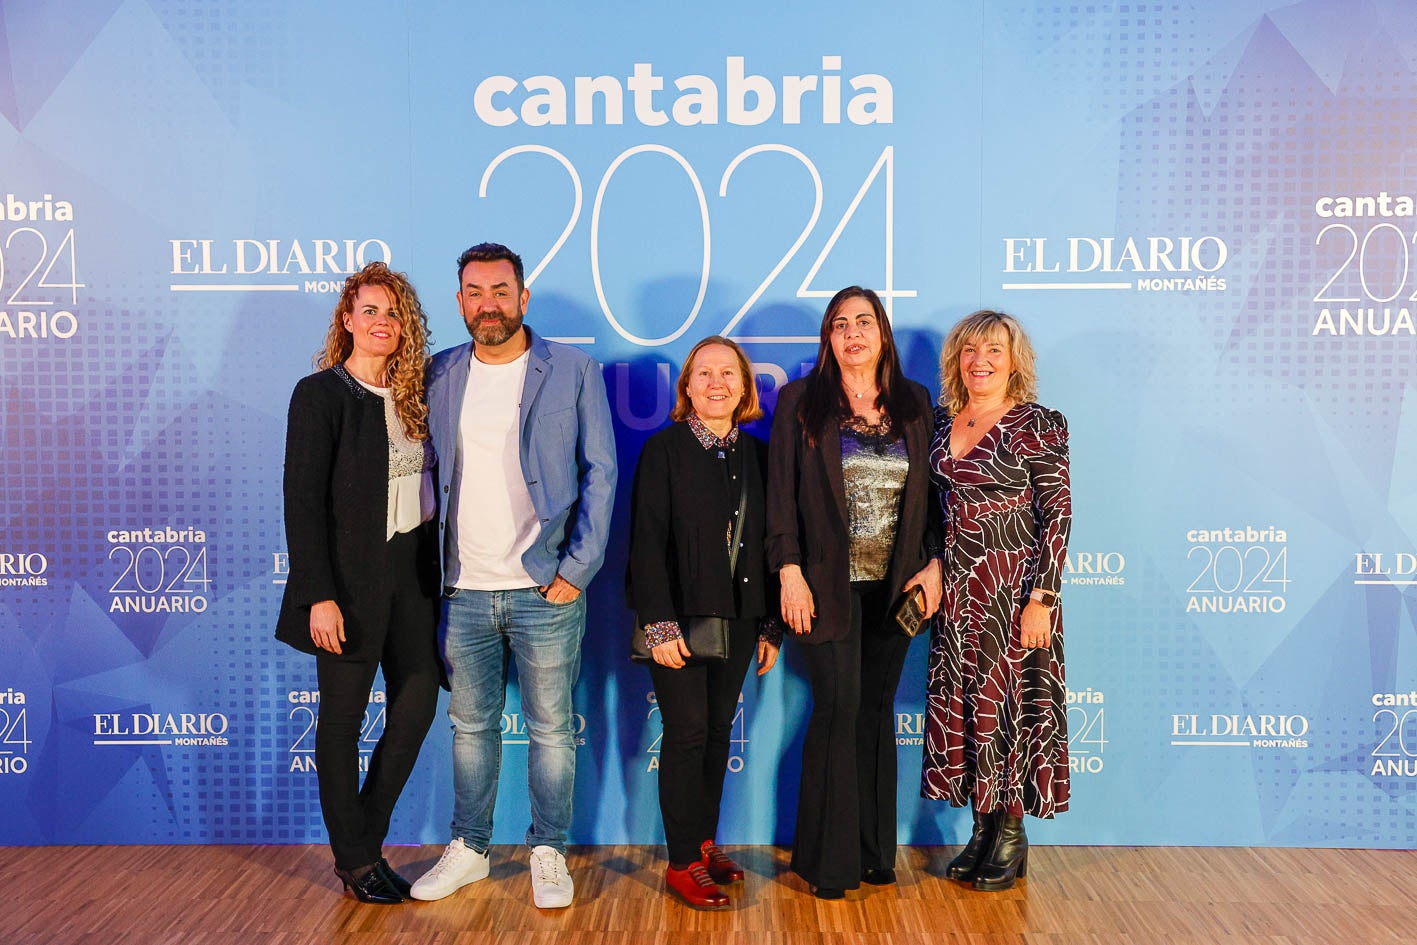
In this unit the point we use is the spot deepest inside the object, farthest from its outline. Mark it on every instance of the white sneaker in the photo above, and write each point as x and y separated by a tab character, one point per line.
459	865
551	886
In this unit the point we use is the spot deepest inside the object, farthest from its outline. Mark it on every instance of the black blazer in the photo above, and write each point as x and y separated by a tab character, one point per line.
678	563
336	516
807	518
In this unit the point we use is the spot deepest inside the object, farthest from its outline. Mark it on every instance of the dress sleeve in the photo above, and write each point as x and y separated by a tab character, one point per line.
309	455
935	513
1043	445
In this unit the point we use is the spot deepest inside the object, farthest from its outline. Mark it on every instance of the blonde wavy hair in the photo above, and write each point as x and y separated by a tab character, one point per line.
986	325
406	365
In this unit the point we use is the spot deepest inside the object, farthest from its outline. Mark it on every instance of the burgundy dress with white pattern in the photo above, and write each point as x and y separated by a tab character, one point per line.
995	713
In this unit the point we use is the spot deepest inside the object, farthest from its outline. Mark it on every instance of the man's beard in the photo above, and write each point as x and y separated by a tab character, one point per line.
494	333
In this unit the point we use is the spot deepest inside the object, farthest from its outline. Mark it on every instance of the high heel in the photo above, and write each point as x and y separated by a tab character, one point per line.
981	841
371	887
401	886
1008	859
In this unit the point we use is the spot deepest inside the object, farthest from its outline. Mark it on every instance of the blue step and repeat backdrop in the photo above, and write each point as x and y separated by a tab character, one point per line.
1203	211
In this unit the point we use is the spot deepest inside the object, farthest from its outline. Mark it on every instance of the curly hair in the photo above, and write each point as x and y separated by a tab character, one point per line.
749	408
406	365
986	325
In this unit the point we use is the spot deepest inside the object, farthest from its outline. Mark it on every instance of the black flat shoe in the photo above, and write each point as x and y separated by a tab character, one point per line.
878	877
371	887
828	892
402	886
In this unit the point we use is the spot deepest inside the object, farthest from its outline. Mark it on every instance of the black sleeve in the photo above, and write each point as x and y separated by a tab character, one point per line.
309	454
648	577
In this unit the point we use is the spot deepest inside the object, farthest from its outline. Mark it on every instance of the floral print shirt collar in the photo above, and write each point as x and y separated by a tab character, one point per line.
706	437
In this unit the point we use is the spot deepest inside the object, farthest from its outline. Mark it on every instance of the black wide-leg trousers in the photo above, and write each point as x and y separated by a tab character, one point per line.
846	807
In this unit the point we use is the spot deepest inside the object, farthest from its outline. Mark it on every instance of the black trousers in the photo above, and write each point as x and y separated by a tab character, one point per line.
846	808
357	818
697	705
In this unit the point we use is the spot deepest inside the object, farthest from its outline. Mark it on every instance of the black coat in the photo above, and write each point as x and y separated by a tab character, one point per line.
678	563
807	517
336	515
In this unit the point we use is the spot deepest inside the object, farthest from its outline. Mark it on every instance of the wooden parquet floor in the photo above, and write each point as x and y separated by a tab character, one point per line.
222	895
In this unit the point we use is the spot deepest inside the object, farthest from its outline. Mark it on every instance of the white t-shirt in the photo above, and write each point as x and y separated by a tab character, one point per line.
491	514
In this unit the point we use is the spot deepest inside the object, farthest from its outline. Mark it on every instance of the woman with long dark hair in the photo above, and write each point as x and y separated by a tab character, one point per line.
847	535
363	585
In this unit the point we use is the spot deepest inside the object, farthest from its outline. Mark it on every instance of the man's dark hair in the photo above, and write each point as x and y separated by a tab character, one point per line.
490	252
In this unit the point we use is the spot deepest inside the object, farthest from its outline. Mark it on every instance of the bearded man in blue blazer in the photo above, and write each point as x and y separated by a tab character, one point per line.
526	482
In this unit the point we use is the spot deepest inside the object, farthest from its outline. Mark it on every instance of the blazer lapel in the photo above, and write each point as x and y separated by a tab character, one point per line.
829	447
536	371
445	405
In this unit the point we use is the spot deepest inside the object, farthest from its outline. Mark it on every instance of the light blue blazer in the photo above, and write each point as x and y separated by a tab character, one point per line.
567	454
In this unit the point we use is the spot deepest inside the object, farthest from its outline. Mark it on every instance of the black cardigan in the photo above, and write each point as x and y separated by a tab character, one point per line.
678	562
336	515
807	517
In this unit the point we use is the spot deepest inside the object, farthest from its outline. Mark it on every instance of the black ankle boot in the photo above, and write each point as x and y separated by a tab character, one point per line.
981	841
1008	860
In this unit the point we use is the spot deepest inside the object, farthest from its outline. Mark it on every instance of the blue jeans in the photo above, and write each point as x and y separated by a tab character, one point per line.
484	629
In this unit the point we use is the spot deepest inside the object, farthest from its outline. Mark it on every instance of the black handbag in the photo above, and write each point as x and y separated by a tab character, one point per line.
706	637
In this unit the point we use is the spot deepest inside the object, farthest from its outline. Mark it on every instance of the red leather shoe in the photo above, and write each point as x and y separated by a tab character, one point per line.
696	887
719	865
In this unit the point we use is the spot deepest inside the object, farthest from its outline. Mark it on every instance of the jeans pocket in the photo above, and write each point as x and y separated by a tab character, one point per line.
567	603
450	592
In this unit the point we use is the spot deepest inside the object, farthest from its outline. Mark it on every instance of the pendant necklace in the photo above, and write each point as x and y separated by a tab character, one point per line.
858	394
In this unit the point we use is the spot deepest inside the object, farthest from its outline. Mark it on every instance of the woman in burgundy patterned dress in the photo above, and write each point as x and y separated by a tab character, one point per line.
996	720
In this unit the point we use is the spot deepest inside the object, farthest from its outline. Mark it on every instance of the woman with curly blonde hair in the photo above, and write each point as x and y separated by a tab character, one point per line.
996	732
363	585
404	368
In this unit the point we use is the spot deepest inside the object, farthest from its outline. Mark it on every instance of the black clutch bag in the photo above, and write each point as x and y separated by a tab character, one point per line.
908	612
706	637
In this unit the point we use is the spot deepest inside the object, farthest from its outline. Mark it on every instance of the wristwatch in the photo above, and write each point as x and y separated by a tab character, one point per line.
1046	598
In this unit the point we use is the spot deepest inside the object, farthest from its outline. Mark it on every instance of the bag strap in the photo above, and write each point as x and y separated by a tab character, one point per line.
738	528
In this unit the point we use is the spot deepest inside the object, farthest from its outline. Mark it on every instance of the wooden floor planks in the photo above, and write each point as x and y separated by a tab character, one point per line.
218	895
